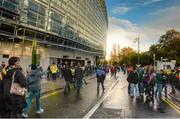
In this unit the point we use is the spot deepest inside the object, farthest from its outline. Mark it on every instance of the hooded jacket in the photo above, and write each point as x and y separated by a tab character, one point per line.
34	79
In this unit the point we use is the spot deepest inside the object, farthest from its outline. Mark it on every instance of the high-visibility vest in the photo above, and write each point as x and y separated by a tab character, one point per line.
53	69
168	72
73	71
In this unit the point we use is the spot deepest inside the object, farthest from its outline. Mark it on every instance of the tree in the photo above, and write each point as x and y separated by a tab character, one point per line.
168	46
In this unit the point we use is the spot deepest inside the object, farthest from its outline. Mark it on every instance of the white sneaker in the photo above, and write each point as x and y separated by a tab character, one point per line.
41	111
24	115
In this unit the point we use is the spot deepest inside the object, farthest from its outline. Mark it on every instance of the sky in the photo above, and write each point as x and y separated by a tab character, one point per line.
146	19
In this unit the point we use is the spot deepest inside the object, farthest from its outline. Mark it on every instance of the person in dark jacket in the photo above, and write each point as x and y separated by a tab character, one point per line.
78	78
34	88
151	85
14	104
159	83
100	74
133	80
68	79
1	99
172	81
2	107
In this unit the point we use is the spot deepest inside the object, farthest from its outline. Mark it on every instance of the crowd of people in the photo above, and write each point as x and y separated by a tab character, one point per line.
151	83
18	104
15	85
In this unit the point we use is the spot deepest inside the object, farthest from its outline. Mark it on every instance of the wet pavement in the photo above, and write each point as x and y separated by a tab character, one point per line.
114	103
49	85
56	105
119	105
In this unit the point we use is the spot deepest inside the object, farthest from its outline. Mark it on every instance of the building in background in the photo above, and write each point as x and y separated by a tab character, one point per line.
67	31
115	50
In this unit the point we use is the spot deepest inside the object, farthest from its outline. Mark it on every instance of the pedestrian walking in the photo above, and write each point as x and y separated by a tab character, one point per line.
68	79
113	72
159	83
14	103
172	81
73	75
145	81
133	79
151	85
34	89
79	78
54	70
48	72
100	74
129	82
2	106
141	81
165	83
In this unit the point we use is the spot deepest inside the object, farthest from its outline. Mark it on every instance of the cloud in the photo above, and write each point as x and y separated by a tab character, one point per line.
123	32
150	2
120	10
167	18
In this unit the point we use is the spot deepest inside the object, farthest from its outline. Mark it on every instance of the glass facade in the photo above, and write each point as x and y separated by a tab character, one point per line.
83	23
81	20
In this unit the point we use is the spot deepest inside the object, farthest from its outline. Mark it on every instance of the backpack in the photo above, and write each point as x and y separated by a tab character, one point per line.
129	78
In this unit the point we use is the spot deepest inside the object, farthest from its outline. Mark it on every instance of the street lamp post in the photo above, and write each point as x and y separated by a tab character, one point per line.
137	40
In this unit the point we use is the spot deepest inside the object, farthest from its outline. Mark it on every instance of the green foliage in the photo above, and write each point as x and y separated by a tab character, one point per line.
129	56
168	46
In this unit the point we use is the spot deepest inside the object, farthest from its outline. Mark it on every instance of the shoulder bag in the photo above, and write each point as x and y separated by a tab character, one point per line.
16	88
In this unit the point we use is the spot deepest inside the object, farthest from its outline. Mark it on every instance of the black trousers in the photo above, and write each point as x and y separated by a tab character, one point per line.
54	76
102	85
67	88
10	114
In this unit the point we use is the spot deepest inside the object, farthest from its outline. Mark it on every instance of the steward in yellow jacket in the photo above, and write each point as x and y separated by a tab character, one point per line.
54	70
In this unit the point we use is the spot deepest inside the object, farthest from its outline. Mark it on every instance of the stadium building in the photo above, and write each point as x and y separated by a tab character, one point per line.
67	31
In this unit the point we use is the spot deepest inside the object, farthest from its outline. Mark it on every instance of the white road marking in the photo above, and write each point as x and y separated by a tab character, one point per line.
91	112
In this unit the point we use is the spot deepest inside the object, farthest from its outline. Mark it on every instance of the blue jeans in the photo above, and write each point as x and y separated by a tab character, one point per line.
37	94
159	88
134	90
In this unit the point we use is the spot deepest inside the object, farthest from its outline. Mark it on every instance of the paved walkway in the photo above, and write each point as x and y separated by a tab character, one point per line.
175	96
48	86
